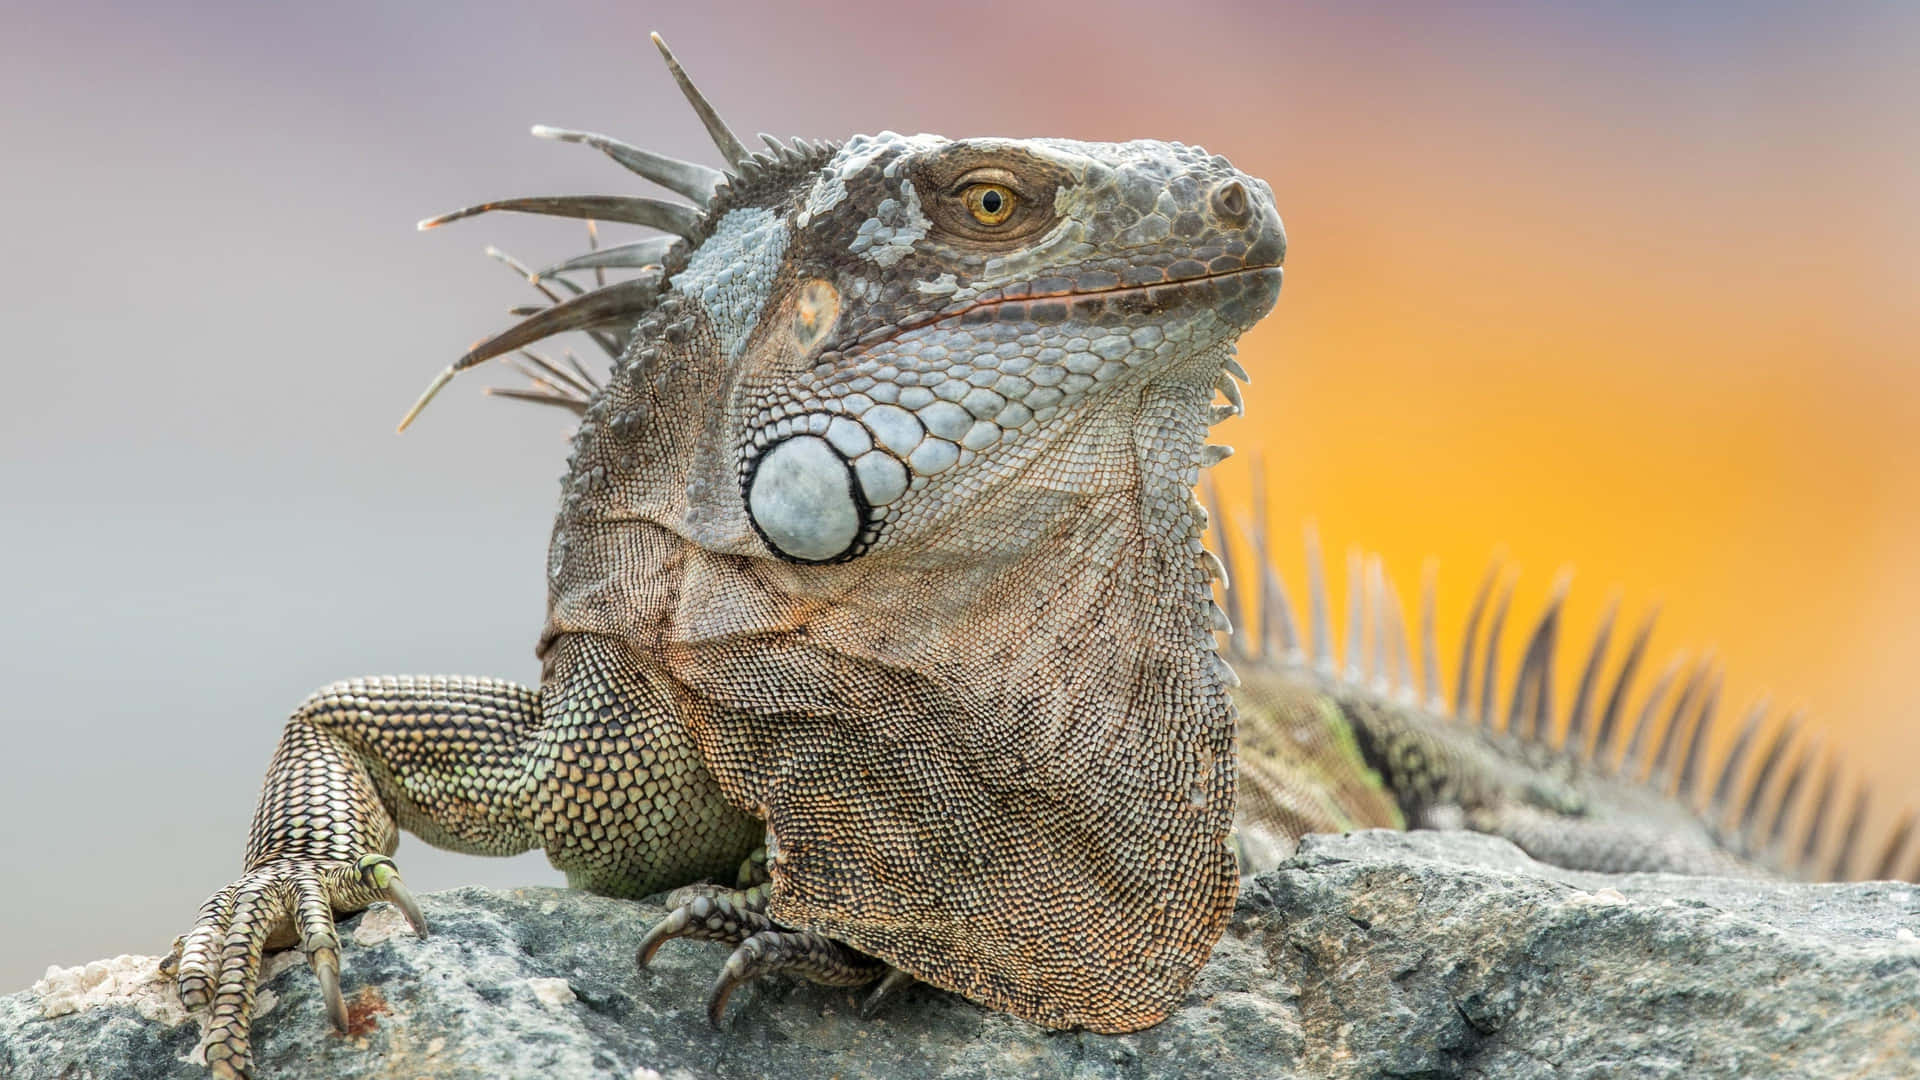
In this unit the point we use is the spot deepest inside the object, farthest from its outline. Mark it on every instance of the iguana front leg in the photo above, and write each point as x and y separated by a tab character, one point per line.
442	756
594	767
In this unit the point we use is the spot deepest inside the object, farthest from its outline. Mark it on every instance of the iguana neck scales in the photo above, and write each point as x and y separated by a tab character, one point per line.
878	586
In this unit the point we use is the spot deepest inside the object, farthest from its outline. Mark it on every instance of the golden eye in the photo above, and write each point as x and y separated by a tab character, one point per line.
990	204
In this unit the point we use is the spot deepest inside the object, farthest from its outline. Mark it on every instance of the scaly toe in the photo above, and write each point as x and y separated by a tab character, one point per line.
731	917
814	957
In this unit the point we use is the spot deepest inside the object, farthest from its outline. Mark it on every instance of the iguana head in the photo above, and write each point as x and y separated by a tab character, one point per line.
917	331
904	345
892	485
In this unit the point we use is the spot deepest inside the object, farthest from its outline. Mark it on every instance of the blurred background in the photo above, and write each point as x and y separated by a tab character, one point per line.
1625	287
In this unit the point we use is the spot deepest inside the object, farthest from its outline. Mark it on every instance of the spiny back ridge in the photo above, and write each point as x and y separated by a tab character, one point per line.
1749	811
608	311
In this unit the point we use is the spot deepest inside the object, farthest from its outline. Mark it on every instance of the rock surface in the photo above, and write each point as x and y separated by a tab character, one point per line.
1370	955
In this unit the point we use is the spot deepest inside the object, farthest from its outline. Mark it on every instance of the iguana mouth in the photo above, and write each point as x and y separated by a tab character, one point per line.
1057	305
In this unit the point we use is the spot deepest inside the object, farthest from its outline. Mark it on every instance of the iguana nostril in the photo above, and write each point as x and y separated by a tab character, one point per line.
1230	201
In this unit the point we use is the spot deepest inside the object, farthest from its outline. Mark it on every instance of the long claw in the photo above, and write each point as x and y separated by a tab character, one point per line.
662	932
326	969
403	899
739	917
890	984
379	872
261	905
744	964
723	988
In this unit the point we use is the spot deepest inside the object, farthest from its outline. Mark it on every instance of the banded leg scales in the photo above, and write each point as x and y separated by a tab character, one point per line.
593	769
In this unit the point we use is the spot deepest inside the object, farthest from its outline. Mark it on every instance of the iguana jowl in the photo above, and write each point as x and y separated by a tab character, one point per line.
878	551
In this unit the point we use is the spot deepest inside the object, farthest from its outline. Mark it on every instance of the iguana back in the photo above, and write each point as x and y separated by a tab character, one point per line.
1620	781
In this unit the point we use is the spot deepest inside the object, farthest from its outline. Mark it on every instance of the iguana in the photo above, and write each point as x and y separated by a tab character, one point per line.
879	587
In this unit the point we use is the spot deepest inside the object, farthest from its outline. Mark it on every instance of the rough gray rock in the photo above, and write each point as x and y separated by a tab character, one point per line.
1370	955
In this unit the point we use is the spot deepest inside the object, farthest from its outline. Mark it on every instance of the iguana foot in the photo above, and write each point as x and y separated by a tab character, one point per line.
811	956
283	901
707	913
738	917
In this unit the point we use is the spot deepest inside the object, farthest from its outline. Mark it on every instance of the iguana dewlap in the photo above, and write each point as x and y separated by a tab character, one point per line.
878	586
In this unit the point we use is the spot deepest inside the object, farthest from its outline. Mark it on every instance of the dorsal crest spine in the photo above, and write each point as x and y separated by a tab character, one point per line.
609	312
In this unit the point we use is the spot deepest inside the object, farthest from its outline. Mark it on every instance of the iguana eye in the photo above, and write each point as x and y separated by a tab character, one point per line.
990	204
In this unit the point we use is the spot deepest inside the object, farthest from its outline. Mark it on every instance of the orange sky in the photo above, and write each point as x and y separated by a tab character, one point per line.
1626	288
1654	320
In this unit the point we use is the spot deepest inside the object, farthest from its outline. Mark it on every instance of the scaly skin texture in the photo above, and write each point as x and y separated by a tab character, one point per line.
1591	789
878	587
878	548
894	707
1318	756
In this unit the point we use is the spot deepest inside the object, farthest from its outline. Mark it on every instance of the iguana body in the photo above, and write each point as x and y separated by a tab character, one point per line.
879	549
